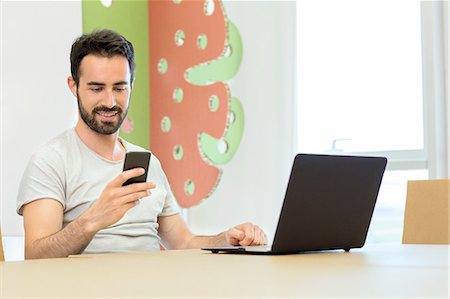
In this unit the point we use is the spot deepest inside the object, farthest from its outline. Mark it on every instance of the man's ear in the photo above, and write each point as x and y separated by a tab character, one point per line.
72	85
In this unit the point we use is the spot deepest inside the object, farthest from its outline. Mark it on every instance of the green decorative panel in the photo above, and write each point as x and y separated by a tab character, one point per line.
129	18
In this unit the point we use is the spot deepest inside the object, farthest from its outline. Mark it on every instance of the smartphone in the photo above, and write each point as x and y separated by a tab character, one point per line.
136	160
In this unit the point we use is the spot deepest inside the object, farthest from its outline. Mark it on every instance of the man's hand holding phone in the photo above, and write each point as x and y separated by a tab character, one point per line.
137	160
118	197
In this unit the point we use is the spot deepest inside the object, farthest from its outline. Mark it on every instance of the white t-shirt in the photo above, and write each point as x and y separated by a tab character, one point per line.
66	170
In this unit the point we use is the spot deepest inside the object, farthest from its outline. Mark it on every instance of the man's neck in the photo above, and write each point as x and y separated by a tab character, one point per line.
107	146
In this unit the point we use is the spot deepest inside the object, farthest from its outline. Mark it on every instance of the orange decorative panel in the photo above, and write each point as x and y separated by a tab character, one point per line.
182	35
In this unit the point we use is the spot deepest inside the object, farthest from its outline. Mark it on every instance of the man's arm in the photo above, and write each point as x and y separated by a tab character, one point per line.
43	219
176	235
44	236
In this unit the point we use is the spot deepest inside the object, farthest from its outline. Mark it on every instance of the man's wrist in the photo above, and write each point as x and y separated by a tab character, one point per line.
208	241
84	226
222	239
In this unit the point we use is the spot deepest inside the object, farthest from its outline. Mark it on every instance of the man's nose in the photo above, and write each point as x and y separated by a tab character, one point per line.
110	100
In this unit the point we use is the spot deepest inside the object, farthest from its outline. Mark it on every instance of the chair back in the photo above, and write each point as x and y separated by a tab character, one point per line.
427	212
2	256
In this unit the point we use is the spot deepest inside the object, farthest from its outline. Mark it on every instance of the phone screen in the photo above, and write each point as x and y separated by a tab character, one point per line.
136	160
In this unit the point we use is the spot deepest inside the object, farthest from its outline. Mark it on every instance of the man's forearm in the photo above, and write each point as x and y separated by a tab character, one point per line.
72	239
208	241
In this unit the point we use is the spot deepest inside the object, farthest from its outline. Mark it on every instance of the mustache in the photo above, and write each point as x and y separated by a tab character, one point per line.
106	109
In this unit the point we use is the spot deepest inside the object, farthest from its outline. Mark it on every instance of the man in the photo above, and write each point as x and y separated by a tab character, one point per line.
71	195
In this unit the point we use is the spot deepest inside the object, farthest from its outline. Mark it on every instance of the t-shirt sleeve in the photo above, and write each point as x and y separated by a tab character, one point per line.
170	204
44	177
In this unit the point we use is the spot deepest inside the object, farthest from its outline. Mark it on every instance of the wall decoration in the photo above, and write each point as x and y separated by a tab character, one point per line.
181	107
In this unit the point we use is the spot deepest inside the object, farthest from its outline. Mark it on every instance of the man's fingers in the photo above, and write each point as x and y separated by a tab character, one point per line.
260	237
137	187
257	236
235	235
249	234
126	175
132	188
254	235
246	234
264	238
128	206
133	197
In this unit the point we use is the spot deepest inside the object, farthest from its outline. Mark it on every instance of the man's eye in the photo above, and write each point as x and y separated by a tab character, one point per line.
120	89
96	89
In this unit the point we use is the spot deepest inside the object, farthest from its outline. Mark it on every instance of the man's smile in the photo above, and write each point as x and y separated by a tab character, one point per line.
107	116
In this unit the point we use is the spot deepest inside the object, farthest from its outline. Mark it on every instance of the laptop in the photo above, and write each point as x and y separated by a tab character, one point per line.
328	205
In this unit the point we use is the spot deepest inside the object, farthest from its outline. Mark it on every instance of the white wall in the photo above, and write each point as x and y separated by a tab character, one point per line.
254	182
35	102
36	106
446	12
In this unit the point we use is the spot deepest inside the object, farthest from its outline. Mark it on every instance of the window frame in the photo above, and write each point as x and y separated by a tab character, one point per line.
436	126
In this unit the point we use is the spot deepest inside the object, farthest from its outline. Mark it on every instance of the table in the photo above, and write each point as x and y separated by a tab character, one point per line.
400	271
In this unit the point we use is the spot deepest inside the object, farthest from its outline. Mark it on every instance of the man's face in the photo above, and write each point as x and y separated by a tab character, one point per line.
103	92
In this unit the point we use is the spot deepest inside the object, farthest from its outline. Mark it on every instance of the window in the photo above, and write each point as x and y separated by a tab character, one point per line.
360	91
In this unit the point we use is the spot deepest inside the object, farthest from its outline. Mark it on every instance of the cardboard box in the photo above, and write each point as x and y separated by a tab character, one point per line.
427	212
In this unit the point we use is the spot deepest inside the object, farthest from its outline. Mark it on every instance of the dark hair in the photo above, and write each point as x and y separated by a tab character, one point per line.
106	43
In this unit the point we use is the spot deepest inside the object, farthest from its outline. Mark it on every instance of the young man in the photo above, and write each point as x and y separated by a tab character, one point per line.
71	195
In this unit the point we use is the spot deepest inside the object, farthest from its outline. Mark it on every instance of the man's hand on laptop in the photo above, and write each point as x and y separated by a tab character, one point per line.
246	234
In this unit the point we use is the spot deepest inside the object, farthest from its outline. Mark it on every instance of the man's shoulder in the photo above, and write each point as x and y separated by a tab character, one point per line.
57	145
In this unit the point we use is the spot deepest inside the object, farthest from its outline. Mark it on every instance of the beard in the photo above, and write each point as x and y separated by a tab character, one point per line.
101	127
